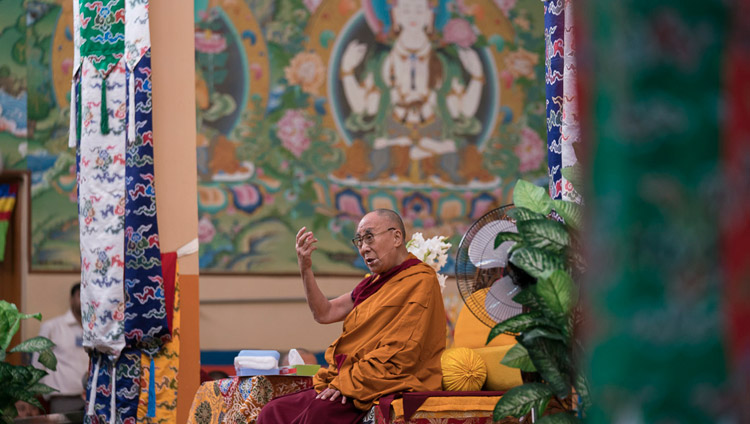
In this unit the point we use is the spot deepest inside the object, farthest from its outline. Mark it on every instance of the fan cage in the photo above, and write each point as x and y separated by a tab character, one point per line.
471	278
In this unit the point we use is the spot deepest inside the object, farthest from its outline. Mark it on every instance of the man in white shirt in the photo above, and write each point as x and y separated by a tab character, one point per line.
72	360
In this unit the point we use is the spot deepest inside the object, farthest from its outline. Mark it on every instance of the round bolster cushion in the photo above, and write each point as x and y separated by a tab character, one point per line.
463	369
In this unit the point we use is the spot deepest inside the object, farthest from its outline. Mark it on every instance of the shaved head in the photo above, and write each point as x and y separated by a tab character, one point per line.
384	246
393	219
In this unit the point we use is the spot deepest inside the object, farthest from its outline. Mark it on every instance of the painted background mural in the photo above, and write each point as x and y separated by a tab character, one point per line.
313	112
310	112
36	60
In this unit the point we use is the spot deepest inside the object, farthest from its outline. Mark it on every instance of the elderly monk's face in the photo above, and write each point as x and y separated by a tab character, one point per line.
380	253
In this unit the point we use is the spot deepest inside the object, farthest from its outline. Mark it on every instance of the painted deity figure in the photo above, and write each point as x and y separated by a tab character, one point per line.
422	92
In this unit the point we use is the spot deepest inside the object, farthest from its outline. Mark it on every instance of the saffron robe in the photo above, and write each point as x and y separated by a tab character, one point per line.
391	342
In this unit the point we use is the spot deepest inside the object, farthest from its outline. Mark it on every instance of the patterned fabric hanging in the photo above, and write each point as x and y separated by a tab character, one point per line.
113	401
563	127
146	322
101	207
554	31
158	391
121	277
571	173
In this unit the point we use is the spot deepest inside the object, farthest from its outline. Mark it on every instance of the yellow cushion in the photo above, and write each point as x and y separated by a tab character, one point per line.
499	376
470	332
463	369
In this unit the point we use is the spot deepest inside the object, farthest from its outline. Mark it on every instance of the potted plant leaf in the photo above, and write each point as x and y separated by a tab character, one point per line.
546	253
21	382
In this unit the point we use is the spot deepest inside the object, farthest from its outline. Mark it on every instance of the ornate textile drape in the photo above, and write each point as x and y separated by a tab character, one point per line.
122	287
563	128
667	209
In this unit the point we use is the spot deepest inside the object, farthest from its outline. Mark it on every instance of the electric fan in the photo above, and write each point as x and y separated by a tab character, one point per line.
481	269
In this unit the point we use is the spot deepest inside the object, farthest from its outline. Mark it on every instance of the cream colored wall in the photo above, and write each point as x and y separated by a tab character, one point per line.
236	312
244	312
251	312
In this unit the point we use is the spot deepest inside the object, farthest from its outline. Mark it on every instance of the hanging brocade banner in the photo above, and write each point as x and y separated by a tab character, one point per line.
554	30
123	292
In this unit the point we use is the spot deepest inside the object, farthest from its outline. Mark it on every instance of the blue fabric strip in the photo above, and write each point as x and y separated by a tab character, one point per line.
152	390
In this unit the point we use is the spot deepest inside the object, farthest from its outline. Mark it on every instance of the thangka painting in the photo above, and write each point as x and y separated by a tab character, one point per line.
36	59
313	112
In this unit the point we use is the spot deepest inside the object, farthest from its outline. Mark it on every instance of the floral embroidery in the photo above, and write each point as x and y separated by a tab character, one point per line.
203	413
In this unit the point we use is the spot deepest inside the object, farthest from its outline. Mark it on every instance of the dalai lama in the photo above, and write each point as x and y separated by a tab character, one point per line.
393	332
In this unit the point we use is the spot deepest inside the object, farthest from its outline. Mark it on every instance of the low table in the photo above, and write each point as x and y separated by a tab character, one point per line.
238	400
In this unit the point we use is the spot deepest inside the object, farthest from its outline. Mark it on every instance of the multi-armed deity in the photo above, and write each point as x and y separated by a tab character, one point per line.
416	92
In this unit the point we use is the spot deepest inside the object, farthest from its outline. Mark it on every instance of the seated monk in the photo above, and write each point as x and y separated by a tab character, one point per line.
393	332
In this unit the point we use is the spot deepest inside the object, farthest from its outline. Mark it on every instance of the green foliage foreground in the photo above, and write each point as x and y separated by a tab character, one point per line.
21	382
546	249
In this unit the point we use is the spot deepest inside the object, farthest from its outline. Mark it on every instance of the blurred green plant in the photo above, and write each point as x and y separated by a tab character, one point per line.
21	382
547	251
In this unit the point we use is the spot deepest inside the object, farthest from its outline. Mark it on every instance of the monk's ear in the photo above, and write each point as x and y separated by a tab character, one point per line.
399	237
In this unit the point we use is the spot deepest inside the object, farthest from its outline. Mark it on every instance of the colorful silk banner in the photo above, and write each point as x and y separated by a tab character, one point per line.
554	32
563	126
656	351
157	403
122	285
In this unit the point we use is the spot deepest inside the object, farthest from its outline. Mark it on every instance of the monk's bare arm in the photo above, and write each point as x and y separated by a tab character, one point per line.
324	311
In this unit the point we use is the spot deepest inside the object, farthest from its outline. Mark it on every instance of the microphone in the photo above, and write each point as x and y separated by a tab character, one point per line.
383	256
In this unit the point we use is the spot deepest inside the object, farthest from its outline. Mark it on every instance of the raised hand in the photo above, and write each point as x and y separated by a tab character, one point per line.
353	56
471	62
305	245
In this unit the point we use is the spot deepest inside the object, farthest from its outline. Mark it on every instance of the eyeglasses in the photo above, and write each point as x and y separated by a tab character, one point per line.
367	238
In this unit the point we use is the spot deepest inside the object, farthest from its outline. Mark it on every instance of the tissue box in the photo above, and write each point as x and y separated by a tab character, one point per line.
306	370
268	357
287	370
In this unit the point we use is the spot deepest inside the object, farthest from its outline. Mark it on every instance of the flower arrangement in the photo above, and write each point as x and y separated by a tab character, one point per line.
433	252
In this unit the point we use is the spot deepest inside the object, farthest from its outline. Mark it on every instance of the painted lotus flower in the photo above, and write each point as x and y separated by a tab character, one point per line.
530	151
459	32
521	63
292	130
306	70
206	230
210	42
247	197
